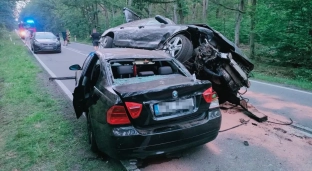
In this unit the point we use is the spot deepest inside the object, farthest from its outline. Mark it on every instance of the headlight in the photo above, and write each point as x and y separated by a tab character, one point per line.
36	42
23	33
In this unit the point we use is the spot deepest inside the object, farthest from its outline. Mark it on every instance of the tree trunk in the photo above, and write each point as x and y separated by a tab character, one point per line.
150	7
204	14
194	12
252	28
238	22
218	10
180	11
175	17
129	2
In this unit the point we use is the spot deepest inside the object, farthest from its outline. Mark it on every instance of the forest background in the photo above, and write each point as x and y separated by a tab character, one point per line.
275	34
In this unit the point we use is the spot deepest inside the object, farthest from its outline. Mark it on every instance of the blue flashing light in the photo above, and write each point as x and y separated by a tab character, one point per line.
30	21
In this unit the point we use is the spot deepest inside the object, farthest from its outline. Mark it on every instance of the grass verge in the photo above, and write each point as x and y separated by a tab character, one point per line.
38	130
292	77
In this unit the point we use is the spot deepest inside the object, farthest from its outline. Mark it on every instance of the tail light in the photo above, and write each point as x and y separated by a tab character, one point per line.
134	109
210	95
116	115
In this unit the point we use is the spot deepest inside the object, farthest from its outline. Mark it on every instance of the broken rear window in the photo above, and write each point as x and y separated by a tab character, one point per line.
124	70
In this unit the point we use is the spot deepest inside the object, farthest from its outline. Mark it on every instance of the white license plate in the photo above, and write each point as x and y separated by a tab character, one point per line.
49	47
177	106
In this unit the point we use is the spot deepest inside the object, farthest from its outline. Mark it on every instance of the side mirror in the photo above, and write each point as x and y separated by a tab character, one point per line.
58	38
75	67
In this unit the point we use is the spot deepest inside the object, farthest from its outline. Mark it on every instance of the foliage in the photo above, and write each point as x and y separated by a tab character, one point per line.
7	14
282	26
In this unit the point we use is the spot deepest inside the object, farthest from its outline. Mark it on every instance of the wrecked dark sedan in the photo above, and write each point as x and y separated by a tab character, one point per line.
203	50
141	103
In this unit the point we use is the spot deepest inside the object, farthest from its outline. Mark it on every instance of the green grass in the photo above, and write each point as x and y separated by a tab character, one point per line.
305	85
272	71
37	132
296	77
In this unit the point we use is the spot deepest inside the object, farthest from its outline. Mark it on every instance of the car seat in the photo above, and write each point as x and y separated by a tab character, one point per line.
165	70
125	70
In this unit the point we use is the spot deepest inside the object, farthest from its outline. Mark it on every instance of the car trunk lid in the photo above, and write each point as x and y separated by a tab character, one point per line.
164	98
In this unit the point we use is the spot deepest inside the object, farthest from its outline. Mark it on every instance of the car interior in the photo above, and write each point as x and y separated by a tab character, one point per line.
139	68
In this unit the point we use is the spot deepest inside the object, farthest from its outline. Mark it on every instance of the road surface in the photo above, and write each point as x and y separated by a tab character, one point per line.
269	147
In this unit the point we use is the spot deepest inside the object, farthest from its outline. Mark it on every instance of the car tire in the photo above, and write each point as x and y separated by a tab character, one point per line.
92	142
107	42
180	47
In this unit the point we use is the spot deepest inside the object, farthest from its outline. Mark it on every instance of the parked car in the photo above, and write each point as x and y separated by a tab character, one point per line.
45	42
203	50
141	103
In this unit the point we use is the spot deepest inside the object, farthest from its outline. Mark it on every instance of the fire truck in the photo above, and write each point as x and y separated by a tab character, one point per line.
23	26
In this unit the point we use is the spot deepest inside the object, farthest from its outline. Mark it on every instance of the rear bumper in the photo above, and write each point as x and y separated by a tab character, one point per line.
129	143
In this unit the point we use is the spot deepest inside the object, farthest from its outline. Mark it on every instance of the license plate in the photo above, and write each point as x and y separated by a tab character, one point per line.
49	47
178	106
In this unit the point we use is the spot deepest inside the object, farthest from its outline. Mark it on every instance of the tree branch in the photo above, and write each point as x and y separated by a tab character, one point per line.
217	3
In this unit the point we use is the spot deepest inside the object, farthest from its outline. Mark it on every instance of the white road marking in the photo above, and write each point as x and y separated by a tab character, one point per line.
74	50
300	91
62	86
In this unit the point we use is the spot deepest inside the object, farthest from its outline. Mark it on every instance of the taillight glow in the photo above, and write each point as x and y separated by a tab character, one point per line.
117	115
134	109
209	95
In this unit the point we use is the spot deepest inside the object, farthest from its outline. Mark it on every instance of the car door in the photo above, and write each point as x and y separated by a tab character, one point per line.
83	82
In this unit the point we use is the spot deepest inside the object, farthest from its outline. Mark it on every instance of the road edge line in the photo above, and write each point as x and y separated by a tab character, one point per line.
60	84
273	85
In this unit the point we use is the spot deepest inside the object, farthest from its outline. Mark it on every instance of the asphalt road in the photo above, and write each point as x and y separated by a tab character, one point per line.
269	148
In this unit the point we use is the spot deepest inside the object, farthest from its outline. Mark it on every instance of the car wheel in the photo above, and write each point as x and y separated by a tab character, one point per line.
91	137
107	42
180	47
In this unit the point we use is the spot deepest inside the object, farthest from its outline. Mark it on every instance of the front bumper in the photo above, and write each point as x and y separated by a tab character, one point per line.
47	47
129	142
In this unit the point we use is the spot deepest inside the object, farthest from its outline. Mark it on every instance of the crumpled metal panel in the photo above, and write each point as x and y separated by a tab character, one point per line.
148	85
146	37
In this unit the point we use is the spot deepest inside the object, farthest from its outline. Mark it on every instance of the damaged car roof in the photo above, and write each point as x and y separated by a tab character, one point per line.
124	53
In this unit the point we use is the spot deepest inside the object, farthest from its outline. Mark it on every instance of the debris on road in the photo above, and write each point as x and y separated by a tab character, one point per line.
246	143
280	129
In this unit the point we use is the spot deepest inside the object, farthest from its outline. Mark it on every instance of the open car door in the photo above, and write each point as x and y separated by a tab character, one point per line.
81	95
130	15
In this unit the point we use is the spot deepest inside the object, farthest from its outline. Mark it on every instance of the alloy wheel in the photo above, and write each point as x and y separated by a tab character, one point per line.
175	46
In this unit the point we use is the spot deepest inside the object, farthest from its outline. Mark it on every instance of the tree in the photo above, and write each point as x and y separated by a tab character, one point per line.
252	28
238	21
